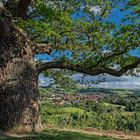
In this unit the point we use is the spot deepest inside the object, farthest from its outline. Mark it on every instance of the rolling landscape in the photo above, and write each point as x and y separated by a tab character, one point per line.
88	114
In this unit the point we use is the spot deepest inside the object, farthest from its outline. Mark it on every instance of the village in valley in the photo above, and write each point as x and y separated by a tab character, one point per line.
62	98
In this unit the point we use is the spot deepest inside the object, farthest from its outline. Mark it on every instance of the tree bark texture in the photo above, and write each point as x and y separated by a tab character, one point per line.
19	95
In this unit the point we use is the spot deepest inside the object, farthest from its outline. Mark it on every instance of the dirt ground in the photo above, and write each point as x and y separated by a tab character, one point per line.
110	133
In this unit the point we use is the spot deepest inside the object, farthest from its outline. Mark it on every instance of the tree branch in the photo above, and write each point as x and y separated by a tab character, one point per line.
92	72
41	48
22	7
18	9
110	56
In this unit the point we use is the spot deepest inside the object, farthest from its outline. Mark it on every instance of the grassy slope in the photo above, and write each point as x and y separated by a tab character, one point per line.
61	135
73	110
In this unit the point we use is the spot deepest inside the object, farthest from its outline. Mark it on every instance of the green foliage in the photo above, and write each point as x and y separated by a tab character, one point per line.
72	26
62	79
75	117
82	37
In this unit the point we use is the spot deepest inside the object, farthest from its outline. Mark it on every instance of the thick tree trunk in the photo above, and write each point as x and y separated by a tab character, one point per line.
19	97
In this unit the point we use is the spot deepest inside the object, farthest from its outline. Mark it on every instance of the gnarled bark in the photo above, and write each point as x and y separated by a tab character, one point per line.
19	95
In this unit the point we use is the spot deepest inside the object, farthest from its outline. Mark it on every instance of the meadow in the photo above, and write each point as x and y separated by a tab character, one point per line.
61	135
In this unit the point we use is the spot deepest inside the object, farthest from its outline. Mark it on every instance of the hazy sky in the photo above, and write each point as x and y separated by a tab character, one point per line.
111	81
108	82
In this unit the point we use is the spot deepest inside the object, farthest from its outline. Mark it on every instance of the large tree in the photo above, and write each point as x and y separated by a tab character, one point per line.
75	35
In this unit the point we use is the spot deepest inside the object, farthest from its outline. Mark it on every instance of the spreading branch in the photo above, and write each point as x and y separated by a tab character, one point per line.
81	69
112	55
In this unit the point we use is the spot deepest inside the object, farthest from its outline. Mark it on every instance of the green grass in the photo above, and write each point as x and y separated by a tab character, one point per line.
61	135
114	105
126	113
124	93
73	110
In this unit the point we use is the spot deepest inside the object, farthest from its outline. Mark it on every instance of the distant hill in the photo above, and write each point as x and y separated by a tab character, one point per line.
97	90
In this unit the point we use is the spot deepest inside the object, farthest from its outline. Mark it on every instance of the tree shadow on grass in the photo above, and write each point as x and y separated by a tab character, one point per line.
60	135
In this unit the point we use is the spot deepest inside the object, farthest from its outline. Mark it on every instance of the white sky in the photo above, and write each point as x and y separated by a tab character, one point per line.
96	9
126	82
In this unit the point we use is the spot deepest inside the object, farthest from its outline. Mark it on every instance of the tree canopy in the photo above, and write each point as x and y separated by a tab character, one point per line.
80	34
